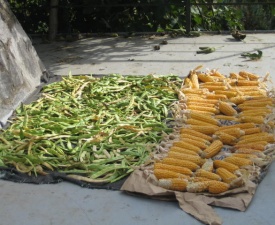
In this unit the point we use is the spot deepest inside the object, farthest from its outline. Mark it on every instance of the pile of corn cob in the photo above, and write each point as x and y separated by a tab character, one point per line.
224	136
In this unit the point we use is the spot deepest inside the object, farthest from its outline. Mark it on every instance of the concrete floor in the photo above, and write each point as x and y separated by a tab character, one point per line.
66	203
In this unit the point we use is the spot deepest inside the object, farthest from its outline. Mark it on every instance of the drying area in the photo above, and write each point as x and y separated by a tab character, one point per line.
69	204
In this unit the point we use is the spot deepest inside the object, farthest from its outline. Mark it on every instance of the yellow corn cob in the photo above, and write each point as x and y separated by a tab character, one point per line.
215	88
208	165
238	161
192	97
255	113
228	93
208	130
203	100
235	76
195	133
239	99
249	108
217	187
258	145
252	136
204	118
254	130
175	184
188	146
250	151
216	83
204	108
207	174
191	158
216	73
213	149
188	83
226	165
183	150
177	169
258	103
249	75
235	131
194	80
216	96
192	91
204	104
226	175
261	98
205	77
227	109
177	162
240	125
197	187
202	112
225	138
253	119
201	144
261	137
257	93
193	137
224	117
192	121
243	155
164	174
251	83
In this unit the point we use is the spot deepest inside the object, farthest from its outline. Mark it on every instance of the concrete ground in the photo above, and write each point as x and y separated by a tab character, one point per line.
66	203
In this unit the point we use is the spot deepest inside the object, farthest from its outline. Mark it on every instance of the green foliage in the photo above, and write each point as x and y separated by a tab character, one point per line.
99	16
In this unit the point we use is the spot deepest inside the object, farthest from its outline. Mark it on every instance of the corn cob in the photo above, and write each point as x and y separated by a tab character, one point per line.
202	112
216	83
217	187
255	112
250	83
236	132
226	138
197	187
188	146
258	145
177	169
268	138
204	118
226	165
205	77
228	93
207	130
201	144
192	91
193	137
203	104
235	76
227	109
194	80
250	151
252	136
258	103
191	158
257	93
253	119
239	99
213	149
204	108
230	118
192	121
215	88
175	184
246	156
183	150
164	174
195	134
216	96
208	165
177	162
203	100
240	125
238	161
226	175
249	75
207	174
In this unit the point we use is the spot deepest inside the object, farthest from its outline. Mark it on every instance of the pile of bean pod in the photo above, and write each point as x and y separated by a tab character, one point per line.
97	129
